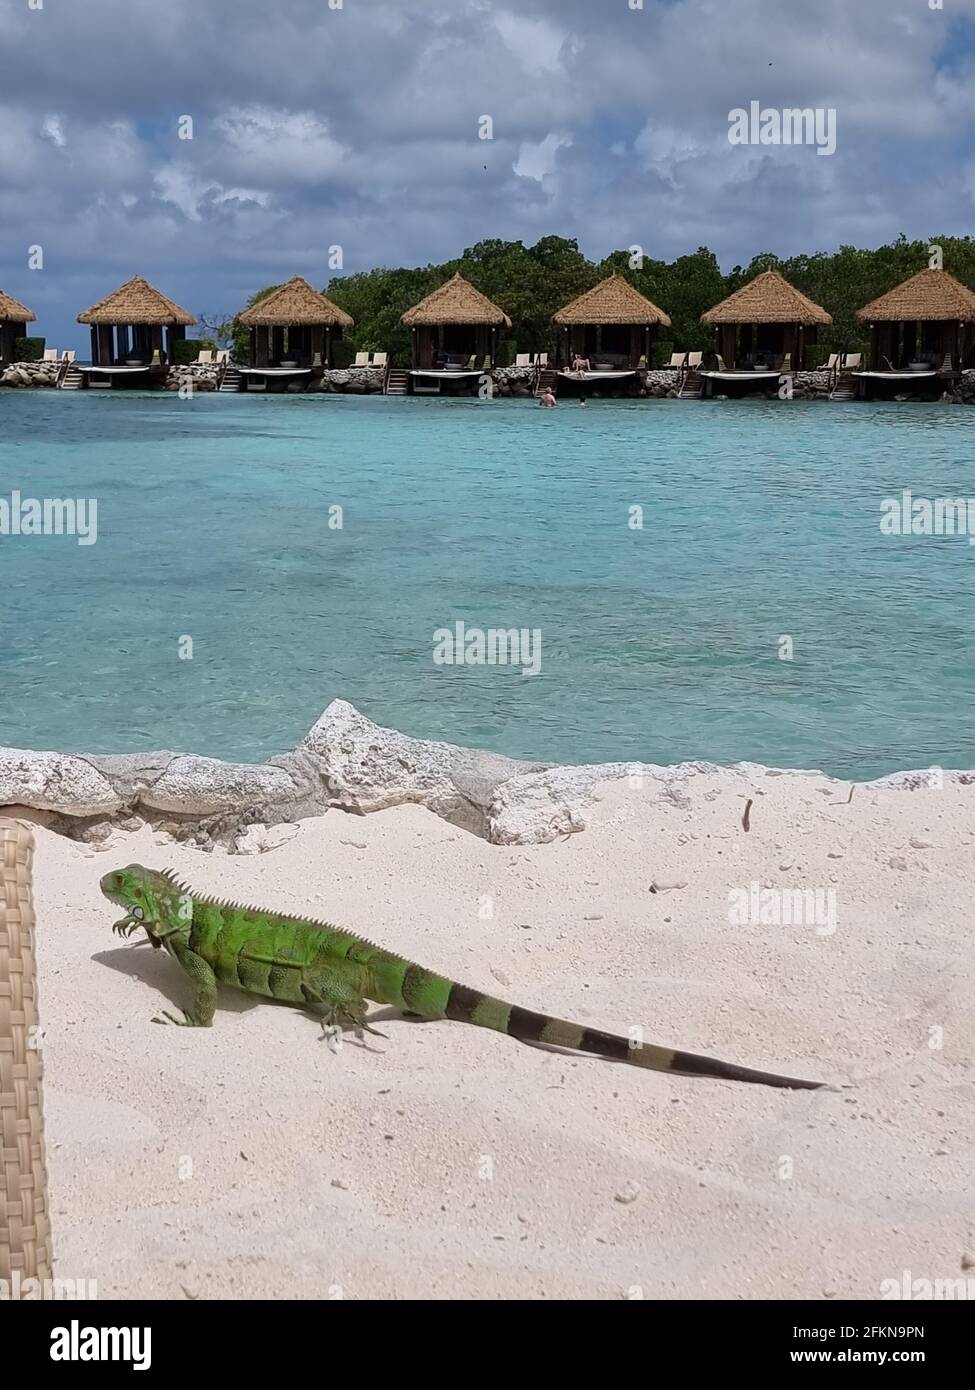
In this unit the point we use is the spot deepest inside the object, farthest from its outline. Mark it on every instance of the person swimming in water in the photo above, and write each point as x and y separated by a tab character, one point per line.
546	396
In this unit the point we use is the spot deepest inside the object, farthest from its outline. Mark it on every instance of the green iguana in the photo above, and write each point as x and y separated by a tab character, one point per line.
304	962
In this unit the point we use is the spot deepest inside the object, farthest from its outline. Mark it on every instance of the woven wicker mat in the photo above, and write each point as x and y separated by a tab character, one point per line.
25	1233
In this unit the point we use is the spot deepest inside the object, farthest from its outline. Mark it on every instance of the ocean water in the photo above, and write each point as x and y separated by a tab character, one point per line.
760	521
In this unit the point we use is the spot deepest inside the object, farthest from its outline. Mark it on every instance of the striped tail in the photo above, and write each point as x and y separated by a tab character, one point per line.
421	992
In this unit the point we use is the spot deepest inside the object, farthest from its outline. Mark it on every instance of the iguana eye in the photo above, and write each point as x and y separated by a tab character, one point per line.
138	914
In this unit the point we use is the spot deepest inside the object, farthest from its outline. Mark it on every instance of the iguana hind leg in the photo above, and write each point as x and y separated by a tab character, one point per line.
205	999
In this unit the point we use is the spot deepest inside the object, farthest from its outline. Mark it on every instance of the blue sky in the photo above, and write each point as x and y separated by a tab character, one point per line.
357	126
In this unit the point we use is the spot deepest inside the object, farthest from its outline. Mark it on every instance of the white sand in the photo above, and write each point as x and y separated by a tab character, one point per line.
472	1166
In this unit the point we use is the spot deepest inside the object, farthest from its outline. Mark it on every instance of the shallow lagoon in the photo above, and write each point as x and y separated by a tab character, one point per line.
761	521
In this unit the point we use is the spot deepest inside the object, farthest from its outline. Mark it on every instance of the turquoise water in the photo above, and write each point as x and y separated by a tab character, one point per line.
761	520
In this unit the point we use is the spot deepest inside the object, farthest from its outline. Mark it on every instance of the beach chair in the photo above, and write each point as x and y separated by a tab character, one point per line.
678	360
223	357
786	362
361	359
718	358
156	358
69	357
487	364
316	362
832	364
541	360
852	361
204	358
523	359
379	359
51	355
694	360
641	366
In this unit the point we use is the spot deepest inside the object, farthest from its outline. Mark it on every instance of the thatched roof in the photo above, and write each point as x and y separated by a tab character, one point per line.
136	302
769	298
456	301
12	311
613	300
294	305
928	295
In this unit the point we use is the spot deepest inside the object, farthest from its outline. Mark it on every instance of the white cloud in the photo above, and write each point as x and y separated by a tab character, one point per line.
537	161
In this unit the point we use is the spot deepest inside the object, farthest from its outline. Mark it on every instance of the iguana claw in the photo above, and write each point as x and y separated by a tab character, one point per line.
187	1021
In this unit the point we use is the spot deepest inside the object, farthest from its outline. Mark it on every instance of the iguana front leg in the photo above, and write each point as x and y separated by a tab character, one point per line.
205	1000
126	926
350	1015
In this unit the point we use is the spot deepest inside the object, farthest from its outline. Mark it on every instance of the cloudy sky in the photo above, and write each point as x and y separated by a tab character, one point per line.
356	123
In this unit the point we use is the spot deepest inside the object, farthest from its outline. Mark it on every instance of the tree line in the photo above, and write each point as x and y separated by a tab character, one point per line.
531	282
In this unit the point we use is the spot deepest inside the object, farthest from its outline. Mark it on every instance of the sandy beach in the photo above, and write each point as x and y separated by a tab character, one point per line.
253	1160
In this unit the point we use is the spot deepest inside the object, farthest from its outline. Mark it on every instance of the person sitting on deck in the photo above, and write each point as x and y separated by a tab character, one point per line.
580	364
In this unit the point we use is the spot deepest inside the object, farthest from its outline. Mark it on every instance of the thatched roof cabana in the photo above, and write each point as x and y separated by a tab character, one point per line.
133	323
926	318
612	321
294	323
454	321
766	318
14	318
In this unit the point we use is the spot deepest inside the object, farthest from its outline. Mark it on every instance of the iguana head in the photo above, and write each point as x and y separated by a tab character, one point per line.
151	899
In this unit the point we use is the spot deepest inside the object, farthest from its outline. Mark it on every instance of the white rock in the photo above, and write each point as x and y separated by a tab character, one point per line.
54	782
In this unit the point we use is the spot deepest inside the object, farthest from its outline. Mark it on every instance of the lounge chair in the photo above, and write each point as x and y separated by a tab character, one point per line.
379	359
694	360
541	359
156	358
852	361
786	362
523	359
641	366
678	360
316	362
223	357
204	358
51	355
832	364
68	356
487	364
720	361
361	359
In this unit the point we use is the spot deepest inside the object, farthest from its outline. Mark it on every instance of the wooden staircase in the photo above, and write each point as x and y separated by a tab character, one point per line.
547	377
230	379
71	378
692	386
397	382
845	388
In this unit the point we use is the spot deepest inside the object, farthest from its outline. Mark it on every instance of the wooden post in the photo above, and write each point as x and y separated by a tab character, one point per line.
25	1231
